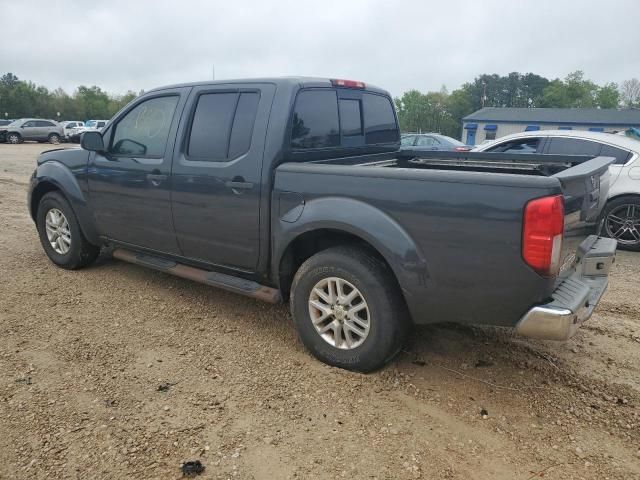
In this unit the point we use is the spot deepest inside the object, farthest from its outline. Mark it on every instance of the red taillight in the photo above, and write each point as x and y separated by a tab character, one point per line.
542	234
347	83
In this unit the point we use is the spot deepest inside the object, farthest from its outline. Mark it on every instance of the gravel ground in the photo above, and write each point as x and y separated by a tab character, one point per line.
118	372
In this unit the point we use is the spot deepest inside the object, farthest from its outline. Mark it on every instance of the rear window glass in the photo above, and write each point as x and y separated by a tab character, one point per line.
350	118
315	120
574	146
379	120
621	156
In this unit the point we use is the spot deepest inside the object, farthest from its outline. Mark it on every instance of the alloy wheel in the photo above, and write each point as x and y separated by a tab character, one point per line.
58	231
339	313
623	224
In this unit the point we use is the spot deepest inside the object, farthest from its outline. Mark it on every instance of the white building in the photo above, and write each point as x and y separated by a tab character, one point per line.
490	123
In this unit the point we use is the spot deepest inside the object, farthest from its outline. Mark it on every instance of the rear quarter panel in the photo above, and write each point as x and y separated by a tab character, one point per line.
461	256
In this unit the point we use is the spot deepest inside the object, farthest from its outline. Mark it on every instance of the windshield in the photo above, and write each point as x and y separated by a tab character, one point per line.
16	123
90	124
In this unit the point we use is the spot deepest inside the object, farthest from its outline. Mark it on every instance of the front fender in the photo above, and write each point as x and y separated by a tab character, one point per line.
57	175
364	221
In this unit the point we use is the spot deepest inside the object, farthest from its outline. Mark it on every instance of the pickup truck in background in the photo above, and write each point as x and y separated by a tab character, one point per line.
294	189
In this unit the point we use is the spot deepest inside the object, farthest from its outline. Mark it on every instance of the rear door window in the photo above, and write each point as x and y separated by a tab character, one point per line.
574	146
211	126
379	120
315	120
222	125
407	141
526	145
425	142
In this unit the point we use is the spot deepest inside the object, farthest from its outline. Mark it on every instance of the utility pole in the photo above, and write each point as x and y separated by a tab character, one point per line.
484	92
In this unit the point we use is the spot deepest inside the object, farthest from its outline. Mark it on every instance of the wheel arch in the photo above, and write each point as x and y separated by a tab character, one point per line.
621	195
54	176
352	223
8	134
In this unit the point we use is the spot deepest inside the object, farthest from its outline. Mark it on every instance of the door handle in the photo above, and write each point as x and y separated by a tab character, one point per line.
238	185
156	178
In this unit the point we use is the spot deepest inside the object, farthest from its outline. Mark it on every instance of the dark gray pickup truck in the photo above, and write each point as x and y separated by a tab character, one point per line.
294	189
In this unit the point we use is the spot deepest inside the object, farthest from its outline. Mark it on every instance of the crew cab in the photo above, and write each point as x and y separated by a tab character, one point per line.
294	189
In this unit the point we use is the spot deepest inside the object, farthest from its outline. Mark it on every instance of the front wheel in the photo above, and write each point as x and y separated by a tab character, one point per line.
348	309
14	138
622	222
60	233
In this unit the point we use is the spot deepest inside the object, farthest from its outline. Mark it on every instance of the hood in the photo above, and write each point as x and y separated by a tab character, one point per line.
67	156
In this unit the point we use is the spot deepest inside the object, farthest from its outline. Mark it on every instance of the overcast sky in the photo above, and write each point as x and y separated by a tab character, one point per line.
398	45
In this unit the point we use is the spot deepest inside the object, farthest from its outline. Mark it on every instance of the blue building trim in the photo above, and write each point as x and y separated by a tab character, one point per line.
491	127
471	126
532	128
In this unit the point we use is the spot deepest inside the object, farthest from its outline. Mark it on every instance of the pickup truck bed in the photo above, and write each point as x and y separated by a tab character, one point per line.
455	233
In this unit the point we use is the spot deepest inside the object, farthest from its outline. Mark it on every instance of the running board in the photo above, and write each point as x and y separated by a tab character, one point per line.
219	280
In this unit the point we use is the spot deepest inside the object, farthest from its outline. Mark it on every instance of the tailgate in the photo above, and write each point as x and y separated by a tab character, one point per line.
585	188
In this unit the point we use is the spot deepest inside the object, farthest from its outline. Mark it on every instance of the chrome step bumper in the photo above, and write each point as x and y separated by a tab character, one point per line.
575	298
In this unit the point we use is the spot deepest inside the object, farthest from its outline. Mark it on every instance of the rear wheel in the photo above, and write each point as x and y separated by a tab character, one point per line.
348	309
622	222
54	138
60	234
14	138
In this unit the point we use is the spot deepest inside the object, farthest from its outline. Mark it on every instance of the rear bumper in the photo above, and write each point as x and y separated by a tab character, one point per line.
575	298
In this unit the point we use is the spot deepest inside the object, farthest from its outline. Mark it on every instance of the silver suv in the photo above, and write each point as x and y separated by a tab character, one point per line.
32	129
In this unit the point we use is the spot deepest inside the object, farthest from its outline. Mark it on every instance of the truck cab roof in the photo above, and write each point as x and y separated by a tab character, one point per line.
292	82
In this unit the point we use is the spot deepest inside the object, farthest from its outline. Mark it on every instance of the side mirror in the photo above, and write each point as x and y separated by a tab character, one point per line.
92	141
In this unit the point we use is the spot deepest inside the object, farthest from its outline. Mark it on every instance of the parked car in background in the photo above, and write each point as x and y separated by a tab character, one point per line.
432	141
68	126
35	129
5	122
88	126
622	212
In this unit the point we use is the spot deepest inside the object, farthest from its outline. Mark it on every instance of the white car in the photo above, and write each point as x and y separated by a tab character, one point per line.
89	125
622	212
68	126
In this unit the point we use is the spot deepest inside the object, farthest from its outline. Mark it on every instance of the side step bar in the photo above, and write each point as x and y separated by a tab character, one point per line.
219	280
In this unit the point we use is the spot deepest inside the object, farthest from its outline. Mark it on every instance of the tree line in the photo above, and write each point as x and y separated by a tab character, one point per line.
443	111
440	111
22	98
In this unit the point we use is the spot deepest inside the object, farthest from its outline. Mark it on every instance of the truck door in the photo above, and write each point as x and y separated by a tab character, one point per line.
129	185
216	174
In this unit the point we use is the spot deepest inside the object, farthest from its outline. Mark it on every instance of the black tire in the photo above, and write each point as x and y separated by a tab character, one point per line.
81	253
54	138
14	138
388	318
620	208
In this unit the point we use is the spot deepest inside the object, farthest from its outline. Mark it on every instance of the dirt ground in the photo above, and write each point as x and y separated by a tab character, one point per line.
119	372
